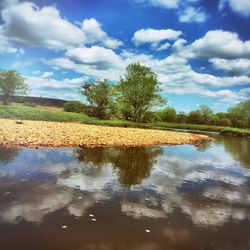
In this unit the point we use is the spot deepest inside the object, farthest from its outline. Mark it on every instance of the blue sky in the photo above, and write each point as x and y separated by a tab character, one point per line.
199	49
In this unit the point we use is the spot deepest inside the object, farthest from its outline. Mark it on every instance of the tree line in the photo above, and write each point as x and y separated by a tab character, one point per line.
135	98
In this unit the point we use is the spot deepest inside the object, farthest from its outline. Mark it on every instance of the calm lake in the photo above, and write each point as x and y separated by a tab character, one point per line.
171	197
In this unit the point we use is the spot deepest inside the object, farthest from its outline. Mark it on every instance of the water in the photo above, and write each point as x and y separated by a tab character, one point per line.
173	197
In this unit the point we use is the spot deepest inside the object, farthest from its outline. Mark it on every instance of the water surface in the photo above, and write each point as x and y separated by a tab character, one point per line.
173	197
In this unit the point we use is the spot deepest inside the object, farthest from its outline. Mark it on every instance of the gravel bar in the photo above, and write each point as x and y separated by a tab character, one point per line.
61	134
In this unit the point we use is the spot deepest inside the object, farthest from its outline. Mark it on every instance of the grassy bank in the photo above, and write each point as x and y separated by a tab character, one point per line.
191	126
42	113
220	129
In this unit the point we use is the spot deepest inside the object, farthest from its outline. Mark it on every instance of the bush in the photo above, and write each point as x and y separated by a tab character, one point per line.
181	118
29	104
168	115
151	117
195	117
74	106
225	122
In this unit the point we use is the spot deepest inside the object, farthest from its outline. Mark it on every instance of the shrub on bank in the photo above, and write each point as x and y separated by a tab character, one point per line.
74	106
29	104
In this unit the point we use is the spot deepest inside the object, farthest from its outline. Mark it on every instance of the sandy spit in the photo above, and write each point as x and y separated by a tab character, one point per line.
58	134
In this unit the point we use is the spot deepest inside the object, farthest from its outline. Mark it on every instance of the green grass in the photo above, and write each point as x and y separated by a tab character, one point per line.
220	129
42	113
191	126
235	132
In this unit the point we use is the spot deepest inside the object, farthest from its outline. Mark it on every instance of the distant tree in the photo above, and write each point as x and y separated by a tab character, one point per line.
151	116
240	114
139	91
224	122
168	114
11	84
100	96
195	117
214	120
181	117
206	112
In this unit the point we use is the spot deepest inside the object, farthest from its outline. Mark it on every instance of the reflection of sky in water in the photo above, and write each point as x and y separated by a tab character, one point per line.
210	186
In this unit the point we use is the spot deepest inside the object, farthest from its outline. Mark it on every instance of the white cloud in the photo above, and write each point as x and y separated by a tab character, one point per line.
40	82
5	46
47	74
191	14
235	67
218	44
36	72
112	73
187	9
168	4
179	44
25	23
94	33
174	73
98	57
242	7
49	87
155	37
164	46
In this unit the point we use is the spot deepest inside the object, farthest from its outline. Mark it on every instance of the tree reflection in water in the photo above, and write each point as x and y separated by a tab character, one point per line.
236	147
8	155
132	165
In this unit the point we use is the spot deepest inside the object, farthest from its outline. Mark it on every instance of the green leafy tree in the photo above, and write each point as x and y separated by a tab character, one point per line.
168	114
240	114
100	96
181	117
195	117
138	92
206	113
11	84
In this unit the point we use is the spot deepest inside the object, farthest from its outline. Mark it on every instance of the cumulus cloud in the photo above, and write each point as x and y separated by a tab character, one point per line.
99	57
49	87
94	33
219	44
241	7
47	74
155	37
6	47
25	23
164	46
191	14
168	4
239	66
187	9
174	73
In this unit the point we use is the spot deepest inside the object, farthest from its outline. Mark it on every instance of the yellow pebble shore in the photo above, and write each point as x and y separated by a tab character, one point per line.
65	134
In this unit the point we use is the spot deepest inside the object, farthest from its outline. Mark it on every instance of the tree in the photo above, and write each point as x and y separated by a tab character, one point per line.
206	112
195	117
181	117
241	112
138	91
224	122
168	114
100	95
11	83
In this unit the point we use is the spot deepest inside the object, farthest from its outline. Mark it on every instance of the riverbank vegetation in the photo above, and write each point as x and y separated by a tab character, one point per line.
135	101
42	113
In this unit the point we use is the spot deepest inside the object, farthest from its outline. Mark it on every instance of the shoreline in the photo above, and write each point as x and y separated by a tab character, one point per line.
26	133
